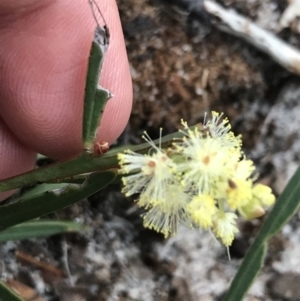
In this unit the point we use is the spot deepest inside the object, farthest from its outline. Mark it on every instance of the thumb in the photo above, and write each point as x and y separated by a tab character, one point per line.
43	61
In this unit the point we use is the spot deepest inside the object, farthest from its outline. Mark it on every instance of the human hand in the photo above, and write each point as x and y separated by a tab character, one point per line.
43	62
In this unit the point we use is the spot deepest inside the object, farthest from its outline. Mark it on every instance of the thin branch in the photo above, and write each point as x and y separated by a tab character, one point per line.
284	54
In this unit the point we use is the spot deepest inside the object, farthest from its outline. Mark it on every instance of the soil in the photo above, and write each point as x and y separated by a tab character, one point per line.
182	67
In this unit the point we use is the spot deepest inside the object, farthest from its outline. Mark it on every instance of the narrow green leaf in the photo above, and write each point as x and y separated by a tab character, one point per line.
95	97
39	228
100	101
285	207
39	189
7	294
247	272
90	87
83	164
45	203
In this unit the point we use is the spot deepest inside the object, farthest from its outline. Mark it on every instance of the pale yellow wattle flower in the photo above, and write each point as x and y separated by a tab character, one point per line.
201	209
201	181
167	213
224	226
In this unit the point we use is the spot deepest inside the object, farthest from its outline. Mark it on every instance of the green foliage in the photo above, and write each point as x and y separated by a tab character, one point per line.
49	201
95	99
39	228
85	163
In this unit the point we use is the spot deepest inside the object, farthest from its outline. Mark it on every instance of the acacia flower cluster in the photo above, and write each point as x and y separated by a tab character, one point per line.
202	181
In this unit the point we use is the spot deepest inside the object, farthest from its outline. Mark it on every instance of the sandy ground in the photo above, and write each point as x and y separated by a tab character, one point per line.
182	66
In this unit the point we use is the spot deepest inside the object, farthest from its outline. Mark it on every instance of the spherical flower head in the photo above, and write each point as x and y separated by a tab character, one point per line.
211	153
262	198
239	193
224	226
252	210
201	210
166	213
264	195
205	165
150	174
209	161
239	190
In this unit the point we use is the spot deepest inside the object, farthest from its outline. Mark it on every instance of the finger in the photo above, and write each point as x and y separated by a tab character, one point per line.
43	64
15	158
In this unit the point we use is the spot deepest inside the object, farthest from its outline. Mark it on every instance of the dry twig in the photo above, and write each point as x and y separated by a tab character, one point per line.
284	54
26	258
